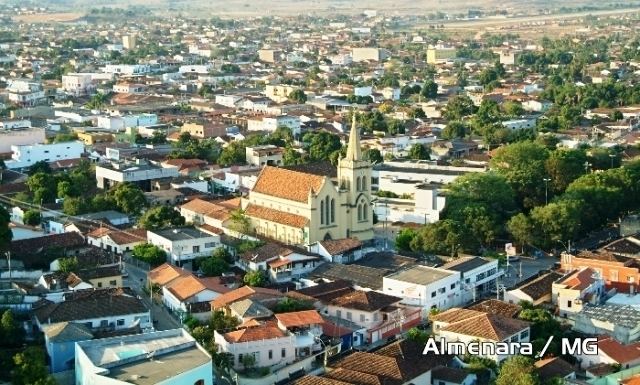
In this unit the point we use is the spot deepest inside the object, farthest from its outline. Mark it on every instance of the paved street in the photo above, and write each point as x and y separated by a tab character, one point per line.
137	279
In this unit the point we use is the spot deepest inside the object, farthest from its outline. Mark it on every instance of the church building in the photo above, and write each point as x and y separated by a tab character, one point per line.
303	205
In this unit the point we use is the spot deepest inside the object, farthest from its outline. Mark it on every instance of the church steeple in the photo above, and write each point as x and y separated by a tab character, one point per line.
354	152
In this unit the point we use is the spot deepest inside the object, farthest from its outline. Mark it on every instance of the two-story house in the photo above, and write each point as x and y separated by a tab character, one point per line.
478	275
184	244
578	287
380	314
427	287
282	263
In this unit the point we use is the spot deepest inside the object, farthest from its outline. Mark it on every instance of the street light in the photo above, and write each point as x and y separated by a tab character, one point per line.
587	165
546	190
612	156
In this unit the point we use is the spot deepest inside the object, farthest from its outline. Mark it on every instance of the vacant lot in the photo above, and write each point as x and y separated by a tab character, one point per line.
48	17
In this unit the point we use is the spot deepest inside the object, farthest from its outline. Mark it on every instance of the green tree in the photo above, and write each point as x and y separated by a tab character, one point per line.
66	189
5	231
458	107
518	370
213	266
417	335
444	237
521	228
429	89
42	186
523	165
150	254
161	217
557	221
75	206
291	304
32	217
298	96
513	109
453	130
321	145
233	154
404	239
10	331
129	198
563	167
65	137
255	278
239	221
419	152
68	264
29	368
373	155
40	166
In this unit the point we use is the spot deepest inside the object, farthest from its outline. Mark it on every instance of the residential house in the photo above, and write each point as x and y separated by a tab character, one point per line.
120	242
164	274
216	214
400	362
141	173
443	375
464	325
381	314
554	368
570	292
344	250
427	287
282	263
59	341
266	297
62	281
169	357
191	294
102	276
611	352
184	244
535	290
264	155
101	309
612	267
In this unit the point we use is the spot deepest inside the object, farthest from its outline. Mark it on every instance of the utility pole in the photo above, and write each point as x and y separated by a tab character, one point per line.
546	190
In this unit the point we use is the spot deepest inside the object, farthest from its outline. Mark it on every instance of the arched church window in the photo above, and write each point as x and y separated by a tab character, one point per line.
358	185
364	183
333	210
322	212
327	213
359	212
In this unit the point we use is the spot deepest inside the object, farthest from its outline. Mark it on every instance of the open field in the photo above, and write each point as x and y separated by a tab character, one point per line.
59	17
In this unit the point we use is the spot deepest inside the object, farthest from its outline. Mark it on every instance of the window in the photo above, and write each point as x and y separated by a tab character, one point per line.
365	214
364	183
339	313
358	185
120	322
333	210
99	284
270	354
614	275
453	286
524	334
327	203
359	212
322	212
442	290
199	382
514	338
89	324
240	357
361	317
196	249
568	304
349	315
209	245
433	294
284	352
113	283
104	323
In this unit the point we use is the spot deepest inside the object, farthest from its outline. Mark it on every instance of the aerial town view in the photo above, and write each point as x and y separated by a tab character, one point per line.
326	192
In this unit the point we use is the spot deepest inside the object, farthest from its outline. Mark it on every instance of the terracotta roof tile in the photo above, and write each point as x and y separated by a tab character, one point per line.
166	273
276	216
365	300
299	318
315	380
256	333
622	354
554	367
489	326
287	184
339	246
238	294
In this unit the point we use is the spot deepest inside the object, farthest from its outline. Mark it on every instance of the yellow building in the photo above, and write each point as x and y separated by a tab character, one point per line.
304	207
102	276
440	54
91	138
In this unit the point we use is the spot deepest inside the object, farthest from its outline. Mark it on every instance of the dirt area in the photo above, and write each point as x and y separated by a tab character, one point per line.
61	17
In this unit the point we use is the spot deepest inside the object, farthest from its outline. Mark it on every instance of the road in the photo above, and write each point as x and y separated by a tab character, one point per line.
136	280
476	23
525	268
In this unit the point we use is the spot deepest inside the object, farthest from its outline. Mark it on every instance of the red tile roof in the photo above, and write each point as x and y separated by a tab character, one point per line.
276	216
299	318
256	333
287	184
